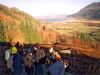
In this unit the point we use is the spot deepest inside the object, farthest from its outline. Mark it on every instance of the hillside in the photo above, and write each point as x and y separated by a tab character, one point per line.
16	25
92	11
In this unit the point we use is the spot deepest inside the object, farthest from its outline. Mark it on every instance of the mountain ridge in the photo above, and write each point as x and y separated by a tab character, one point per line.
91	11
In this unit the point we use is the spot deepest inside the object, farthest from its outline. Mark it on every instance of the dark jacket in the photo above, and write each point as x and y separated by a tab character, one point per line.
17	64
57	68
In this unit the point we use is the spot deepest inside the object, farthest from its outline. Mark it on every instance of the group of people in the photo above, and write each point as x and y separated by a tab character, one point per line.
31	62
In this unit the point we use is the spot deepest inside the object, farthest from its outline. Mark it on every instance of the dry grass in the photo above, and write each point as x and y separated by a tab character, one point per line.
86	30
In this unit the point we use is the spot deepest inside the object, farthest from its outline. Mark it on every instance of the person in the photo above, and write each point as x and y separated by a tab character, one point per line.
8	60
17	62
40	59
53	55
29	63
57	67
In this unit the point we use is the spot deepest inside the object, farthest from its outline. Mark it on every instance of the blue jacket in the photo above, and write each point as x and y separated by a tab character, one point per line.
57	68
17	64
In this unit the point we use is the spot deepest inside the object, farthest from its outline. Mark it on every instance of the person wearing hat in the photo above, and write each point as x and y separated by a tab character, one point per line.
17	62
57	68
10	52
54	55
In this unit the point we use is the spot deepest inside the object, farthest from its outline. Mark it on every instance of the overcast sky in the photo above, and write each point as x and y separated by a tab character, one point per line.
48	7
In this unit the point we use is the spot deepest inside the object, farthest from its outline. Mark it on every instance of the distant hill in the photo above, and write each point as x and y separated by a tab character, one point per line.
92	11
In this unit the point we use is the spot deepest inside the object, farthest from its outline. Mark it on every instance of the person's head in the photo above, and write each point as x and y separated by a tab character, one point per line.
55	46
41	48
29	55
13	50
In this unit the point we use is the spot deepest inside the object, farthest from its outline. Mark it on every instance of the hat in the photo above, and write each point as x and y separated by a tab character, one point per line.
41	47
13	50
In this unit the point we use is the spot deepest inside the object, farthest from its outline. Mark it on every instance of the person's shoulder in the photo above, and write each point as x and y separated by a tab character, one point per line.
20	56
60	63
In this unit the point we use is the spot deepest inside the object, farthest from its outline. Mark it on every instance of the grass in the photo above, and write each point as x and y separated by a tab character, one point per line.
79	28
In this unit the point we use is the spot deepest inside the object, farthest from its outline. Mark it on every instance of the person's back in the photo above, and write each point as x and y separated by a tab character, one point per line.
17	64
57	68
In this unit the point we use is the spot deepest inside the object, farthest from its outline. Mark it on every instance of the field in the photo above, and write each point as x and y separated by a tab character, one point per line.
82	35
91	28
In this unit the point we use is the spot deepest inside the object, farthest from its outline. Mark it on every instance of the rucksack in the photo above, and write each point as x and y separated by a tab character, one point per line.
7	54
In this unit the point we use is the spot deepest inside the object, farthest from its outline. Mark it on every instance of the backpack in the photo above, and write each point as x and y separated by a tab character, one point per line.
7	54
10	62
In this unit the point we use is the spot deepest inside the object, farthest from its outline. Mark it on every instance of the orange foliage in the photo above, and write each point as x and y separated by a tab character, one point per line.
49	36
14	36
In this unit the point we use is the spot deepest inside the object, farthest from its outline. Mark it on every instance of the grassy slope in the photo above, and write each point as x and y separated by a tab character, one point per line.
15	25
